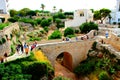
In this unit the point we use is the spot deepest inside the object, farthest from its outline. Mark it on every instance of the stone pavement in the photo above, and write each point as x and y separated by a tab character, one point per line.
16	56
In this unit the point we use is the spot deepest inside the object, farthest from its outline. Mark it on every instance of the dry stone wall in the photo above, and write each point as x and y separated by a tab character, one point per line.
7	31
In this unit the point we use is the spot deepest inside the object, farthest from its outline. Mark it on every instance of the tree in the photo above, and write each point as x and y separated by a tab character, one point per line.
13	13
55	35
101	14
60	10
31	13
68	31
43	7
92	10
86	27
58	21
24	11
54	8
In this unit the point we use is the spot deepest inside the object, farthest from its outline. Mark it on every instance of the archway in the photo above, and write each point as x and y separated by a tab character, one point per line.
65	59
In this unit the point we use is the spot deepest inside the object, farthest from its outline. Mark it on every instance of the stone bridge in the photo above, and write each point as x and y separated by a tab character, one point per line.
73	51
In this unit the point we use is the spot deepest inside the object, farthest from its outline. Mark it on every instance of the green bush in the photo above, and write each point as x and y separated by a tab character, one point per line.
38	20
46	28
70	36
27	68
44	23
77	31
94	45
88	26
114	23
68	31
55	35
28	20
85	68
3	25
35	39
61	78
104	76
14	19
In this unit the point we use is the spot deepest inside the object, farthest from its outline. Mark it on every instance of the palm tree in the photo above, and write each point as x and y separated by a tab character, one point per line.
54	8
61	10
42	6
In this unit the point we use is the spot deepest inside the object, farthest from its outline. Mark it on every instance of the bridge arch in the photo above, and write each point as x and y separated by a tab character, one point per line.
65	59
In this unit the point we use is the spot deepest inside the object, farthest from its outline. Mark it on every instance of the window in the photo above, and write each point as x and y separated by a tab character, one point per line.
118	19
1	11
81	14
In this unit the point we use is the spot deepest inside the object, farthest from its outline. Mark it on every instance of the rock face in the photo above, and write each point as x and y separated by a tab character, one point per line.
7	31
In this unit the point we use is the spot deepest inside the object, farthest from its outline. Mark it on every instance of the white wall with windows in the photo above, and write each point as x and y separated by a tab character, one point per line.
115	14
80	16
4	7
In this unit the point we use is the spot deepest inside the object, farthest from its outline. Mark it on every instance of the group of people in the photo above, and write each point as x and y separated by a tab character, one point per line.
25	48
85	37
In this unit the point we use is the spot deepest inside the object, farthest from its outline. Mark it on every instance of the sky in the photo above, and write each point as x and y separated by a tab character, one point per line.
66	5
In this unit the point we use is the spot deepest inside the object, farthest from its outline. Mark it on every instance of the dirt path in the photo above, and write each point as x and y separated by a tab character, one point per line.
62	71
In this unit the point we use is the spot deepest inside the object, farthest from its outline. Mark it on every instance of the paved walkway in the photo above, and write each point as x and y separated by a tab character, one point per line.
16	56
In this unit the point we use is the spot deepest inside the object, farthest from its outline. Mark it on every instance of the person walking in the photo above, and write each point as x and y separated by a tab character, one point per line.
27	50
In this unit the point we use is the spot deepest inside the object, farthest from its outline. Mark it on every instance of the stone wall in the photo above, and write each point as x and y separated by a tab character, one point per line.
113	41
108	47
7	31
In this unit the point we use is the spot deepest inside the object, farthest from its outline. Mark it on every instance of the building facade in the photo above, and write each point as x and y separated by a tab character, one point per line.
115	14
4	7
4	13
80	16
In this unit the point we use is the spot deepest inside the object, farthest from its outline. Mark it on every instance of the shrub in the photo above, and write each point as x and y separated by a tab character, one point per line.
94	45
77	31
114	23
46	28
88	26
35	39
70	36
28	20
68	31
55	35
104	76
44	23
38	20
3	25
61	78
14	19
85	68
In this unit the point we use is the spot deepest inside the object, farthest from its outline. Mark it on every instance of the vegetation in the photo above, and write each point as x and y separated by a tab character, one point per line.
88	26
61	78
104	76
25	69
68	31
101	64
101	14
3	25
55	35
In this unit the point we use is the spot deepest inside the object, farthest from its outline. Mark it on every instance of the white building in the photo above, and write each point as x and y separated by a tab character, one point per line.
4	7
4	10
115	14
80	16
